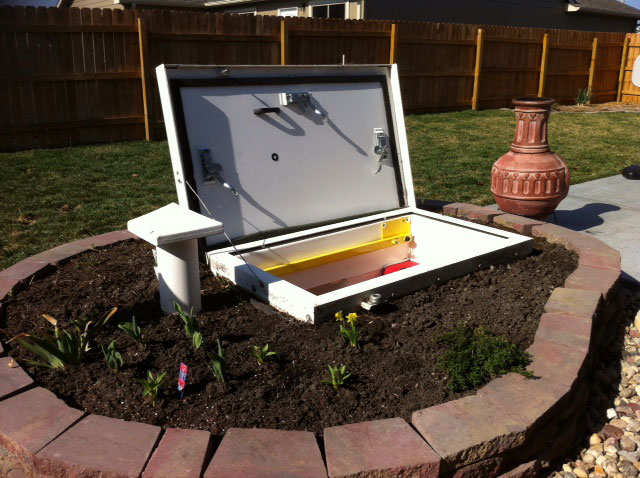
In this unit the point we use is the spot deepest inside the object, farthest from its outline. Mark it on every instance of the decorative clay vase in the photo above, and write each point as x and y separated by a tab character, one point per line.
530	180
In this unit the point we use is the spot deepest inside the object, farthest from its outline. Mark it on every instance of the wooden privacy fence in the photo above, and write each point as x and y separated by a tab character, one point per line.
81	76
627	92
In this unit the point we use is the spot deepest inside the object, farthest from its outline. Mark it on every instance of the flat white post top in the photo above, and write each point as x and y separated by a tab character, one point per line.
173	223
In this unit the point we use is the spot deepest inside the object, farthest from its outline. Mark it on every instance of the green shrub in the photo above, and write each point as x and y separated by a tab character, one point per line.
475	357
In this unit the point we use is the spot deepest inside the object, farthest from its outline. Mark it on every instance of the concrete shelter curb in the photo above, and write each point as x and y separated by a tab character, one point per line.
501	431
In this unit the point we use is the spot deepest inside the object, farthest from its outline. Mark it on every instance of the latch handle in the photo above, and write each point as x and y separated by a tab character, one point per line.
380	148
261	111
212	170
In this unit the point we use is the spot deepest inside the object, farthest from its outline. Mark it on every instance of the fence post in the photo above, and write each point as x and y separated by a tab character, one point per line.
476	75
144	65
592	67
543	65
623	63
394	43
283	42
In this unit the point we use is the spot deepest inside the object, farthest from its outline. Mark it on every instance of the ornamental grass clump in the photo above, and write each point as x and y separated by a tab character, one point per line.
66	346
584	97
350	334
475	357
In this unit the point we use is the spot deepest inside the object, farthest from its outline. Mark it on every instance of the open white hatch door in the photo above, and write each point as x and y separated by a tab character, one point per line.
308	169
295	146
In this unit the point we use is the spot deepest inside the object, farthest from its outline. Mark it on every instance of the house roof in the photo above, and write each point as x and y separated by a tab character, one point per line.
603	7
188	3
224	3
166	3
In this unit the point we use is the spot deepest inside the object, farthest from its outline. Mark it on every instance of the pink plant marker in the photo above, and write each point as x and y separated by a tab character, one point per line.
182	378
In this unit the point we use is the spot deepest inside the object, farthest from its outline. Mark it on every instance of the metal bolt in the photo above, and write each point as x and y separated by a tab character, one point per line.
374	299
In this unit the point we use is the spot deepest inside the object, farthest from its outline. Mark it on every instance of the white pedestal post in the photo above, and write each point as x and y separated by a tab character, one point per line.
175	231
179	276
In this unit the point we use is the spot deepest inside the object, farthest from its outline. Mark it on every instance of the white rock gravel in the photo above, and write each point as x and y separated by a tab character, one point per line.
614	401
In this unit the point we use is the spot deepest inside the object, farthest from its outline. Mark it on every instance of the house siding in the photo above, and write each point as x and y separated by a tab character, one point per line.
517	13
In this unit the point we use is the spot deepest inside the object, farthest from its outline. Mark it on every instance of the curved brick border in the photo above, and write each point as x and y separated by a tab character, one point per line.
511	428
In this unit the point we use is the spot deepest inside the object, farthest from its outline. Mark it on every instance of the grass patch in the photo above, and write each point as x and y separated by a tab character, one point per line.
53	196
57	195
475	357
452	153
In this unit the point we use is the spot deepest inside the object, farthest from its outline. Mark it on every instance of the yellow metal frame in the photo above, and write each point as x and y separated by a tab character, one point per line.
393	232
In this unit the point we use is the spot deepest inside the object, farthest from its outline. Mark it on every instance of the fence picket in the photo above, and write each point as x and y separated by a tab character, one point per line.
77	76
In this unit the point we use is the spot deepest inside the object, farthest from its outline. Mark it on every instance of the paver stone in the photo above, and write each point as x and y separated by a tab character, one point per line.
99	446
266	453
32	419
377	449
180	454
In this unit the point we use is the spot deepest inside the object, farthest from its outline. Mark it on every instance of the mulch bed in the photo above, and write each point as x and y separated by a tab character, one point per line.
394	373
610	107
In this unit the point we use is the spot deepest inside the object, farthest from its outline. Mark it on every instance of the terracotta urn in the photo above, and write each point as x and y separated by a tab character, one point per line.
530	180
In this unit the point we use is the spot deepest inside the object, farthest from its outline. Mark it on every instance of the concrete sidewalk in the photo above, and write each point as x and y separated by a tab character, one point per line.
608	209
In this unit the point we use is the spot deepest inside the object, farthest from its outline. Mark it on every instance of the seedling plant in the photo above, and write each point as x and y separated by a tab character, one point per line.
112	356
191	326
338	376
151	385
132	330
67	346
262	353
218	365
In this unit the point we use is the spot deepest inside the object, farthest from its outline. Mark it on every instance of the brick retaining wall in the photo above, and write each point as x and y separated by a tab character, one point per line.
511	428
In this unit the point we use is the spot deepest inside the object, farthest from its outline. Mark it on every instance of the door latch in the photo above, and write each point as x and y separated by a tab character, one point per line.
305	100
212	171
380	148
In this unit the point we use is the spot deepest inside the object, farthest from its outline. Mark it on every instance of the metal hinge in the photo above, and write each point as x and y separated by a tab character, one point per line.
304	99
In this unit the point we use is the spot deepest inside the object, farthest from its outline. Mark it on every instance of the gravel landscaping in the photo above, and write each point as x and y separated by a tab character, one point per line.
611	447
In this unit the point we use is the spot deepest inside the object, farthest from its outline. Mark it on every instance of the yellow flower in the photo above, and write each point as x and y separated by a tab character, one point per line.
339	315
352	317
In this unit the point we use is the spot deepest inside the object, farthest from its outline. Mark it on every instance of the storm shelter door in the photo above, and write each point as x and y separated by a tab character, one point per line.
282	155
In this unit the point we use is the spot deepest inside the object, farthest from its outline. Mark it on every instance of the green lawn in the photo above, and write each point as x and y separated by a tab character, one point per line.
452	153
49	197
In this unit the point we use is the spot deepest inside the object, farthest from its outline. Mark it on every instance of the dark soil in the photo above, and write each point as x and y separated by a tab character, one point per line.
394	373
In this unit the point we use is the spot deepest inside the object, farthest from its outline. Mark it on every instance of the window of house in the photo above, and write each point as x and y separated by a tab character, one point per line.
334	10
288	12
